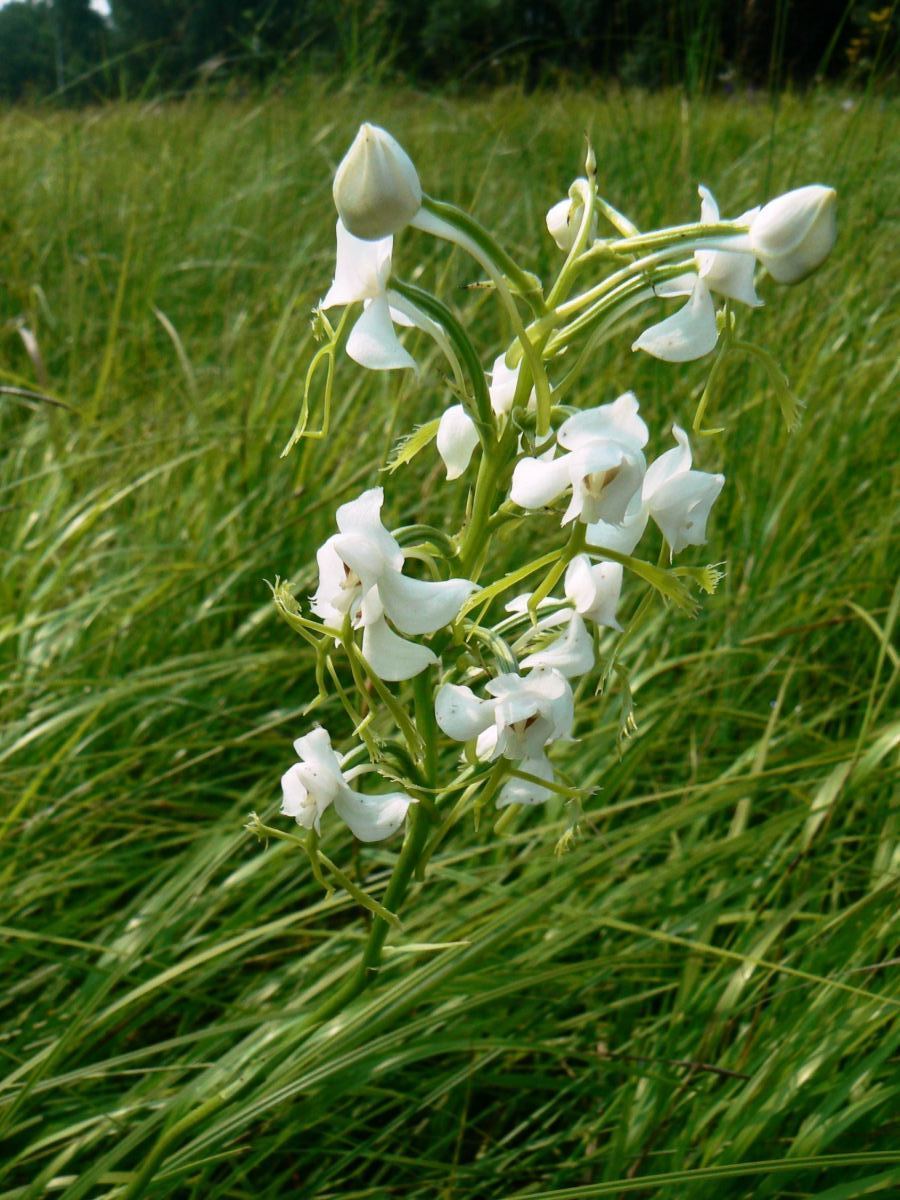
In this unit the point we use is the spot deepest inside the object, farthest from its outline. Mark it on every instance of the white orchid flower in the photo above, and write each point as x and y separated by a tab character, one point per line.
564	220
604	465
594	589
523	715
592	592
457	437
361	574
678	499
361	274
795	233
310	786
692	332
376	186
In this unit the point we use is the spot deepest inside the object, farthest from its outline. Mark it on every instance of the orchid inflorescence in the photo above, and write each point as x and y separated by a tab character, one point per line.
490	699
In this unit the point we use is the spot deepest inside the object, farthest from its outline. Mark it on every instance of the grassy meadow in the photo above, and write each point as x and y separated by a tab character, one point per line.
700	998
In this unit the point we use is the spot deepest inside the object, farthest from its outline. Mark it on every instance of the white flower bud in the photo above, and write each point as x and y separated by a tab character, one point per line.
794	234
376	187
564	221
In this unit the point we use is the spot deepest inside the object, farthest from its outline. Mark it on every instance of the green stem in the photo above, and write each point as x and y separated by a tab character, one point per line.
447	221
418	827
440	313
486	246
675	235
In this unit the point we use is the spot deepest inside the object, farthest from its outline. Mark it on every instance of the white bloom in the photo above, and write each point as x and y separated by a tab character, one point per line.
457	437
677	498
593	590
502	386
604	465
376	187
361	274
564	220
317	781
795	233
692	332
523	715
361	573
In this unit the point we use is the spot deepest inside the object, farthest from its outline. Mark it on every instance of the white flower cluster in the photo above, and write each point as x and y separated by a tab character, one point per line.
533	453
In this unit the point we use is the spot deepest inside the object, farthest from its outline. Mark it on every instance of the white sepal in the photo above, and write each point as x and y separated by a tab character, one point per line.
572	654
688	334
523	791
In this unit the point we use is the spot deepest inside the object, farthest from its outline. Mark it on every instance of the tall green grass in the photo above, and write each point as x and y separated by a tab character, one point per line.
700	998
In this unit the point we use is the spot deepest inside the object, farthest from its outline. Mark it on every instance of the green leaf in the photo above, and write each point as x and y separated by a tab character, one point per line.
410	445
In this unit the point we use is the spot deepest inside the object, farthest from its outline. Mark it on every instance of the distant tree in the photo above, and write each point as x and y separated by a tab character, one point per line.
26	51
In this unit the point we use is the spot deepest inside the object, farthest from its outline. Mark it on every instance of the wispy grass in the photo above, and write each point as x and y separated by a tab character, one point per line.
700	998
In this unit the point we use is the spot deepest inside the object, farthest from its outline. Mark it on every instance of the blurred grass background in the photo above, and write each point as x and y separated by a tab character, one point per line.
700	999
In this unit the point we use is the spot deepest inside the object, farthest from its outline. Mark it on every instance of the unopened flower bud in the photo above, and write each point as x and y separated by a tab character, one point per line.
794	234
376	187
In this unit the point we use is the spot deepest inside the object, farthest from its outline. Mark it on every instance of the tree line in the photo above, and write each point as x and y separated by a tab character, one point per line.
64	48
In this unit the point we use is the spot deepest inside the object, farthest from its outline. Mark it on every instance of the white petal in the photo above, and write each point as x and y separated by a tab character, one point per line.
558	703
560	225
681	285
372	341
457	437
726	273
622	537
336	593
618	422
460	714
681	508
520	791
296	801
362	555
363	516
594	589
361	269
372	818
730	275
686	335
606	476
571	655
393	658
315	749
536	483
487	747
420	606
502	388
674	462
709	209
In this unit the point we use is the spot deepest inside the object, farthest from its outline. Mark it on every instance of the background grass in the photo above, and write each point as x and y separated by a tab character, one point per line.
700	998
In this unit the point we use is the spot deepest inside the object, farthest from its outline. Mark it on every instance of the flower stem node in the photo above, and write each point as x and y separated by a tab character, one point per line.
795	233
376	187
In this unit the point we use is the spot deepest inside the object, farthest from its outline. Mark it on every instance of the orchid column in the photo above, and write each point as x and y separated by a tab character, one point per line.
459	683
